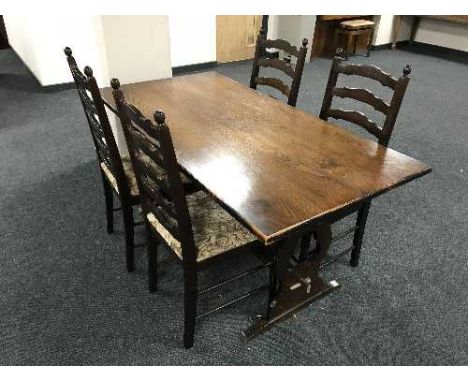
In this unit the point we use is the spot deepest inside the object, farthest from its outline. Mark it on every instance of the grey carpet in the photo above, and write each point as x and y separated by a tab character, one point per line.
65	297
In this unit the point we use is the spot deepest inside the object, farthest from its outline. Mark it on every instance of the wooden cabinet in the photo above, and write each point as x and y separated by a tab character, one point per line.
324	33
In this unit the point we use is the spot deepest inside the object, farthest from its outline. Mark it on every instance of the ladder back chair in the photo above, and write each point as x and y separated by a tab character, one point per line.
295	72
194	228
383	134
390	110
117	172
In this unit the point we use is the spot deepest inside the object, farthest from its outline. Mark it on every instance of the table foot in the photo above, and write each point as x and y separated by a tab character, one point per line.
295	286
289	303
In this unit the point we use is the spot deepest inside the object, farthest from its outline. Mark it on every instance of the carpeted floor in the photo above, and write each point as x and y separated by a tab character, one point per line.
65	297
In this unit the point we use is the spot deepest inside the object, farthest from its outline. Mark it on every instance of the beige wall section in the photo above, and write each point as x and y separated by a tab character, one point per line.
134	49
435	32
39	42
292	29
442	33
137	48
193	39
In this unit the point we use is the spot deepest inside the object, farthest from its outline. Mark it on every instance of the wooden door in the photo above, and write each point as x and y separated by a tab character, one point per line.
236	37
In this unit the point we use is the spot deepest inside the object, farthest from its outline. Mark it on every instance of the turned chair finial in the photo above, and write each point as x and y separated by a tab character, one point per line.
115	83
68	52
339	53
407	70
159	117
88	71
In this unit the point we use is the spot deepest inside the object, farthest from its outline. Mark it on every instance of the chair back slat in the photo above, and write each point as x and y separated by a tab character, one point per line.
281	44
294	72
357	118
274	83
369	71
164	202
148	165
277	64
157	172
362	95
90	107
390	110
148	146
93	105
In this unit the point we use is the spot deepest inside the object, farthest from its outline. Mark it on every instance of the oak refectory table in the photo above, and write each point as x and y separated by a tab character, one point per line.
279	170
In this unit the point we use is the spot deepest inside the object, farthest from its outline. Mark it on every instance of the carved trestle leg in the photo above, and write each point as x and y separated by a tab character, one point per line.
296	287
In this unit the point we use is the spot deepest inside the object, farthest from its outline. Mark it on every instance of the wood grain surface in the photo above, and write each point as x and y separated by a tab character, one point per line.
275	167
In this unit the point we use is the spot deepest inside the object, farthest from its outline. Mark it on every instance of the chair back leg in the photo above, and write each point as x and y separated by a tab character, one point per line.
359	233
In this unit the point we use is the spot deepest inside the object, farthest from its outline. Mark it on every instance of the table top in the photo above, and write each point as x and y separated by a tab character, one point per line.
275	167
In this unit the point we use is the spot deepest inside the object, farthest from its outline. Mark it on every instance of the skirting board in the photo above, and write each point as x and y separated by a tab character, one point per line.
435	50
193	68
428	49
58	87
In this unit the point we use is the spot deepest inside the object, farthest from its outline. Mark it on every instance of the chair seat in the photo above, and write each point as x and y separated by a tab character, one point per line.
357	24
132	183
215	231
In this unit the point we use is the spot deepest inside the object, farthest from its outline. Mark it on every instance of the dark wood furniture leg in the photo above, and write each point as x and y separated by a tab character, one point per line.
190	302
356	38
305	245
359	233
152	252
369	42
127	213
336	39
295	287
109	198
349	44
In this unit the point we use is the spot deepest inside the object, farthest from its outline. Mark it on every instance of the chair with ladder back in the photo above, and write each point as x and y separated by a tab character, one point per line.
116	171
383	134
293	71
194	228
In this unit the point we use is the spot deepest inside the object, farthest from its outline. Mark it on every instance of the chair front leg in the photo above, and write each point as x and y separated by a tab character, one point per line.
109	198
190	303
359	234
152	251
127	213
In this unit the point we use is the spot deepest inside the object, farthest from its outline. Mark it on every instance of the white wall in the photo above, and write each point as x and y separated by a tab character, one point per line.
39	41
133	48
292	29
192	39
383	30
136	47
